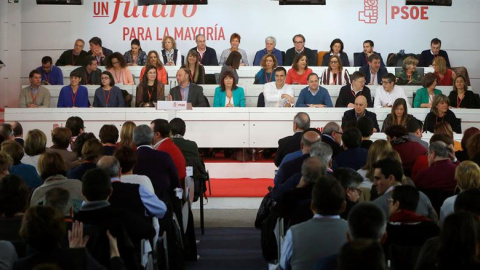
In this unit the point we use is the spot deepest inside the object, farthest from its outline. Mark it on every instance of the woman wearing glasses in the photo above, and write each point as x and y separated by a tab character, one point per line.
108	95
117	66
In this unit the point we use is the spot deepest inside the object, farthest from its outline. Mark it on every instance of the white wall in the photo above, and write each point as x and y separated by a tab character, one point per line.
49	30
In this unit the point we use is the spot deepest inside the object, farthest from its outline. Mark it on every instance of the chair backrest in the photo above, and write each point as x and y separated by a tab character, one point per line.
462	71
403	257
283	56
261	100
437	197
320	56
355	61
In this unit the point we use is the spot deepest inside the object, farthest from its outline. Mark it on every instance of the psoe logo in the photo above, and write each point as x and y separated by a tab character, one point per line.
369	14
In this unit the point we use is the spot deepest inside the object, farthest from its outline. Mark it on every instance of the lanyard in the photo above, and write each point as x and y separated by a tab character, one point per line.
74	97
269	79
36	95
107	98
74	60
459	101
47	77
150	93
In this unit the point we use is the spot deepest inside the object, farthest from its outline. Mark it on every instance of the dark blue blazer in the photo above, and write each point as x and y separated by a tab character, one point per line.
209	57
286	146
288	169
366	70
353	158
361	60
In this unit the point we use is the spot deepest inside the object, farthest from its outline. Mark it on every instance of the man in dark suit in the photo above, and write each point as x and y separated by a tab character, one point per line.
332	135
373	71
188	148
208	56
353	155
289	144
99	52
299	47
362	58
427	56
90	73
187	91
17	132
350	117
349	92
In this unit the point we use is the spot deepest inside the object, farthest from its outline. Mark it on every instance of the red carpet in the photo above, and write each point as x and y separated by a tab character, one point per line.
239	187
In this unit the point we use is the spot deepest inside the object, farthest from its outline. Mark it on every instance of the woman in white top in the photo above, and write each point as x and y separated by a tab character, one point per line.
171	56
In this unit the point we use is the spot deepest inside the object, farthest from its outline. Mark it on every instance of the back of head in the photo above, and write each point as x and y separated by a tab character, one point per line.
312	169
5	162
468	201
143	135
96	185
443	128
58	198
389	167
177	126
6	131
396	131
414	125
161	126
328	196
440	149
352	138
110	165
35	143
302	120
408	197
127	158
17	128
14	195
367	220
365	125
61	137
14	149
310	136
467	175
51	164
92	149
42	227
348	178
323	151
108	134
361	254
75	124
80	141
330	127
469	132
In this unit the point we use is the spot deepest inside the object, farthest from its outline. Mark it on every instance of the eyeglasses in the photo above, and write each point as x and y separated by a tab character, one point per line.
298	42
390	200
105	78
333	62
114	63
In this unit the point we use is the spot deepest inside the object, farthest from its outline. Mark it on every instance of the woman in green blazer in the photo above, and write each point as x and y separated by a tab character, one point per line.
228	94
425	95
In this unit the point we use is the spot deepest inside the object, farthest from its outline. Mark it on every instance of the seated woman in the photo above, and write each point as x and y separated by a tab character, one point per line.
117	65
446	129
108	95
367	171
150	89
399	115
460	97
171	56
441	113
92	151
232	64
462	155
14	196
126	136
335	74
336	49
35	145
154	60
445	76
197	71
299	72
409	73
424	96
234	42
136	56
73	95
270	43
266	74
25	171
228	94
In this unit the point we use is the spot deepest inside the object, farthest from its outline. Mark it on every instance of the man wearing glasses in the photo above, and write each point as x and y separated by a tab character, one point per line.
90	73
386	94
299	47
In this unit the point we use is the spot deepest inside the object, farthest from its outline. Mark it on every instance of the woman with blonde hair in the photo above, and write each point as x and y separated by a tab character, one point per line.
126	136
35	145
409	73
171	55
197	71
445	76
440	112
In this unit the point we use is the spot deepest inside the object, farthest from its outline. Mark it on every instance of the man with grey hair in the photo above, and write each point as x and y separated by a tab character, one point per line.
289	144
208	56
323	151
332	135
270	43
133	197
59	198
156	165
441	173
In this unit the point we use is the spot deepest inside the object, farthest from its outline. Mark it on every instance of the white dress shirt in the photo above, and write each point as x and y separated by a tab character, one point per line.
273	95
384	98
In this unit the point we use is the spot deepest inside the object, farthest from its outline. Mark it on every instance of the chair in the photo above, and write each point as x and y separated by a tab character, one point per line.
403	257
462	71
261	100
320	56
283	56
200	178
210	79
128	98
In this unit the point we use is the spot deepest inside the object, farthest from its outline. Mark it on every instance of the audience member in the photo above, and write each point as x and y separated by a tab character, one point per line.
232	64
336	49
197	71
363	59
135	56
353	156
126	135
170	54
76	126
188	91
127	158
445	128
277	93
365	125
409	73
374	153
61	139
350	181
14	195
17	132
375	70
441	113
92	151
59	198
424	96
266	73
35	95
5	163
422	161
154	60
308	96
299	48
8	254
289	144
150	89
270	43
118	67
27	172
35	145
75	57
51	75
73	95
460	97
427	56
189	148
229	94
234	43
473	148
445	76
108	95
100	53
349	92
6	131
388	93
108	135
462	155
415	131
332	135
361	254
359	110
89	73
335	74
208	56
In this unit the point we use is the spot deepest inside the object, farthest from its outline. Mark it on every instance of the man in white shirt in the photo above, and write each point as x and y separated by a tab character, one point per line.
386	94
277	93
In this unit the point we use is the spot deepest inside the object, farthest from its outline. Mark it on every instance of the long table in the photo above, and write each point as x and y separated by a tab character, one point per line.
211	127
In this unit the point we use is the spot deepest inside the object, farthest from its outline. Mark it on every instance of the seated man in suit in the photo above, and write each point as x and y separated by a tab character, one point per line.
362	59
351	116
349	92
373	70
189	148
270	43
208	56
51	75
298	48
427	56
353	155
75	57
99	52
289	144
90	73
187	91
332	135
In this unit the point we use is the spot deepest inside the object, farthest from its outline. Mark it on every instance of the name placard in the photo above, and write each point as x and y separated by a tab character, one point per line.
172	105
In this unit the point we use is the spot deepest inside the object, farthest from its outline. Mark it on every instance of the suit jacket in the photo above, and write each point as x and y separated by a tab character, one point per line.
195	95
287	145
188	148
290	55
94	77
366	70
333	144
361	60
106	53
354	158
349	116
345	96
426	58
288	169
209	57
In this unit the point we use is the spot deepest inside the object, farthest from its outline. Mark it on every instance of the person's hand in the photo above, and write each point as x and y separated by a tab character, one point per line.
351	105
170	98
229	105
75	236
287	97
113	245
353	194
31	105
242	64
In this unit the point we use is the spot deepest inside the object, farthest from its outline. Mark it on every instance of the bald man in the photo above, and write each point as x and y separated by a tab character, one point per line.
350	117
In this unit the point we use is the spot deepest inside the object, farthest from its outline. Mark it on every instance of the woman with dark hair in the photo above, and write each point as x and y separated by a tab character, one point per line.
92	151
228	94
424	96
460	97
197	71
299	72
25	171
336	49
445	76
232	64
117	65
445	128
150	90
335	74
234	43
266	74
136	56
108	95
73	95
171	55
14	195
473	148
441	113
463	154
398	115
154	60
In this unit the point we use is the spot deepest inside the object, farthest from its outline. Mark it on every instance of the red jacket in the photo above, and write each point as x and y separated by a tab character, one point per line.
169	146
